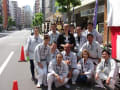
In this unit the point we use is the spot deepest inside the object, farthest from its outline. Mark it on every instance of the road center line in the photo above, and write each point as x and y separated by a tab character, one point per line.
6	62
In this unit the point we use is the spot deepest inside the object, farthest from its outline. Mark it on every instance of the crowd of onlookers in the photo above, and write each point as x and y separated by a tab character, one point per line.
73	55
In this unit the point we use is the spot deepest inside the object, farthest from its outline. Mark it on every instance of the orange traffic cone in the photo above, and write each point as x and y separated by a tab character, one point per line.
15	85
22	56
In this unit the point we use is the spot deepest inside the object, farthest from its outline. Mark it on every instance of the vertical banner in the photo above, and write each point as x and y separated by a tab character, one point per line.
95	15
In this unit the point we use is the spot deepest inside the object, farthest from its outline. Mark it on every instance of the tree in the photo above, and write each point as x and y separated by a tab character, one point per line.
66	5
38	20
11	22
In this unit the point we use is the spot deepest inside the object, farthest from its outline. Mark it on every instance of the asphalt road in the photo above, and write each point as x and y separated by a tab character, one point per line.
11	69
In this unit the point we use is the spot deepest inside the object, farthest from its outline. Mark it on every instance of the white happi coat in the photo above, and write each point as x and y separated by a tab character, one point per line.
86	68
82	41
94	50
72	57
42	55
53	55
61	70
73	63
107	69
53	37
32	42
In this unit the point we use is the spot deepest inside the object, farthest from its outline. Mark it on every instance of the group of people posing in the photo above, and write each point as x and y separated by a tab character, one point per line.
73	55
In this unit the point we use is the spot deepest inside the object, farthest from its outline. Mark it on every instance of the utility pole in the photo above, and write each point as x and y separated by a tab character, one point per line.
107	33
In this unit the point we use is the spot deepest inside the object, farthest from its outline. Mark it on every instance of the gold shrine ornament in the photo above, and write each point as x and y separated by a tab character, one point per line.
59	27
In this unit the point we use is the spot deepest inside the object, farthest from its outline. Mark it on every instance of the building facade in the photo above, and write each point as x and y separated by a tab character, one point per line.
13	8
22	17
5	13
26	15
85	13
44	6
37	6
19	16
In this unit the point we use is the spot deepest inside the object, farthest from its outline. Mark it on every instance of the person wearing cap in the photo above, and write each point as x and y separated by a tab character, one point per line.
54	50
57	72
70	59
53	33
93	48
79	38
90	29
85	68
106	71
32	42
42	56
65	37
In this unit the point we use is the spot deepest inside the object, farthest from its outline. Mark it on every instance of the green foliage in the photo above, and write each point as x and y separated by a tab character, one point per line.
66	5
1	19
11	22
38	20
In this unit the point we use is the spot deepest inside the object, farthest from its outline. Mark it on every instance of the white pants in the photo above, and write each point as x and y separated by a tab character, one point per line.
42	73
51	78
102	77
76	73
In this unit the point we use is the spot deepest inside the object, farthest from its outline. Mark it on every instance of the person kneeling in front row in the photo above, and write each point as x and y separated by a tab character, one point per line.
57	72
85	68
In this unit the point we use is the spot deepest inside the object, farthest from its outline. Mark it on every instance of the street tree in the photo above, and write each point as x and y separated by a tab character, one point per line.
38	20
66	5
11	22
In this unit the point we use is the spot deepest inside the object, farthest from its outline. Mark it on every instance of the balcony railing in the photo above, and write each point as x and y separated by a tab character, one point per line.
91	11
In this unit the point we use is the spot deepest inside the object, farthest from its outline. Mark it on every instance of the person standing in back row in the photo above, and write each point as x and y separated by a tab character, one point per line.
65	37
53	33
32	42
91	30
42	57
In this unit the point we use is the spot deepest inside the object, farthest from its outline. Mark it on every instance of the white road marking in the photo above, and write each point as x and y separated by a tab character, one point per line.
6	62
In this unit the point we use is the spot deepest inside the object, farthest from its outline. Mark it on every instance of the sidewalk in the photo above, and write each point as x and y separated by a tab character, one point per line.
4	33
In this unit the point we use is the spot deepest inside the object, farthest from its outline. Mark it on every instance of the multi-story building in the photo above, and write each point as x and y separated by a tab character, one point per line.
18	23
37	6
22	17
44	6
52	5
40	7
13	8
5	13
26	16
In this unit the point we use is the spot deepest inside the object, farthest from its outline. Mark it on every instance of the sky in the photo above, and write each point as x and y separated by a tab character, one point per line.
25	2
